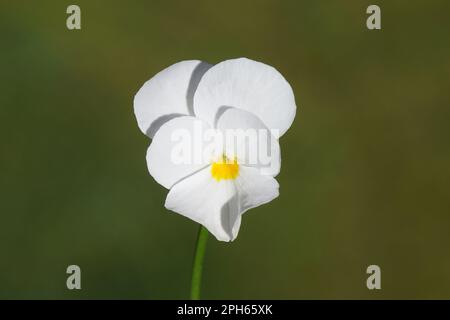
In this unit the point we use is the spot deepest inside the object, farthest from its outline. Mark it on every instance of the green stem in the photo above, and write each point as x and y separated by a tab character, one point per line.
198	263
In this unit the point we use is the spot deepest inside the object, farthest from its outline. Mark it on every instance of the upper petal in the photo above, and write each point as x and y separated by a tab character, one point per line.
249	85
168	94
207	201
177	150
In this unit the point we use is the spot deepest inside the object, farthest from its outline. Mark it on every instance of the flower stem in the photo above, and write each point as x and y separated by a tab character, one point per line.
198	263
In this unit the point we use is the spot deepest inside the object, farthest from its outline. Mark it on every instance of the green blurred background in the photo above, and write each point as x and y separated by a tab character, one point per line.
365	176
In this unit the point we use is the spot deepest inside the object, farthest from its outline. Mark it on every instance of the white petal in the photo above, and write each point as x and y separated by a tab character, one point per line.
177	151
255	189
249	85
220	208
207	201
167	95
251	142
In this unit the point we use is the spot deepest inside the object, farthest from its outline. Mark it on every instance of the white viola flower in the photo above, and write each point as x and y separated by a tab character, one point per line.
192	97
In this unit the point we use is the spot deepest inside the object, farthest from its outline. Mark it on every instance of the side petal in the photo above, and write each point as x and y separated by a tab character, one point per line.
255	189
211	203
167	95
249	140
249	85
176	150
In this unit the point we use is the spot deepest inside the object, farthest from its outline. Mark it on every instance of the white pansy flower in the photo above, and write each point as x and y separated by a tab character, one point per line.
215	186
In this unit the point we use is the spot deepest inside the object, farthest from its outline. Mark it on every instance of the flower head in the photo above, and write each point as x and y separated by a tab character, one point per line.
215	132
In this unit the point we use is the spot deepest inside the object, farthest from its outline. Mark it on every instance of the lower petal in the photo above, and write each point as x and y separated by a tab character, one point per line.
212	203
219	205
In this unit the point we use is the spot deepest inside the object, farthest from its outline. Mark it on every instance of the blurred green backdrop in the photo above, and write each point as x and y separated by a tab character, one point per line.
365	175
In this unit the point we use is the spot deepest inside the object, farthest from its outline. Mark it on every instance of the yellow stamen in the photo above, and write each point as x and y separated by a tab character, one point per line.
225	169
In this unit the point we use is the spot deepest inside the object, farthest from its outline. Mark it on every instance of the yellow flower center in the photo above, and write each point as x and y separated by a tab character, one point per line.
225	169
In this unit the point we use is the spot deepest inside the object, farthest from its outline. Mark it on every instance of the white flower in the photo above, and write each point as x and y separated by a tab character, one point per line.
234	94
